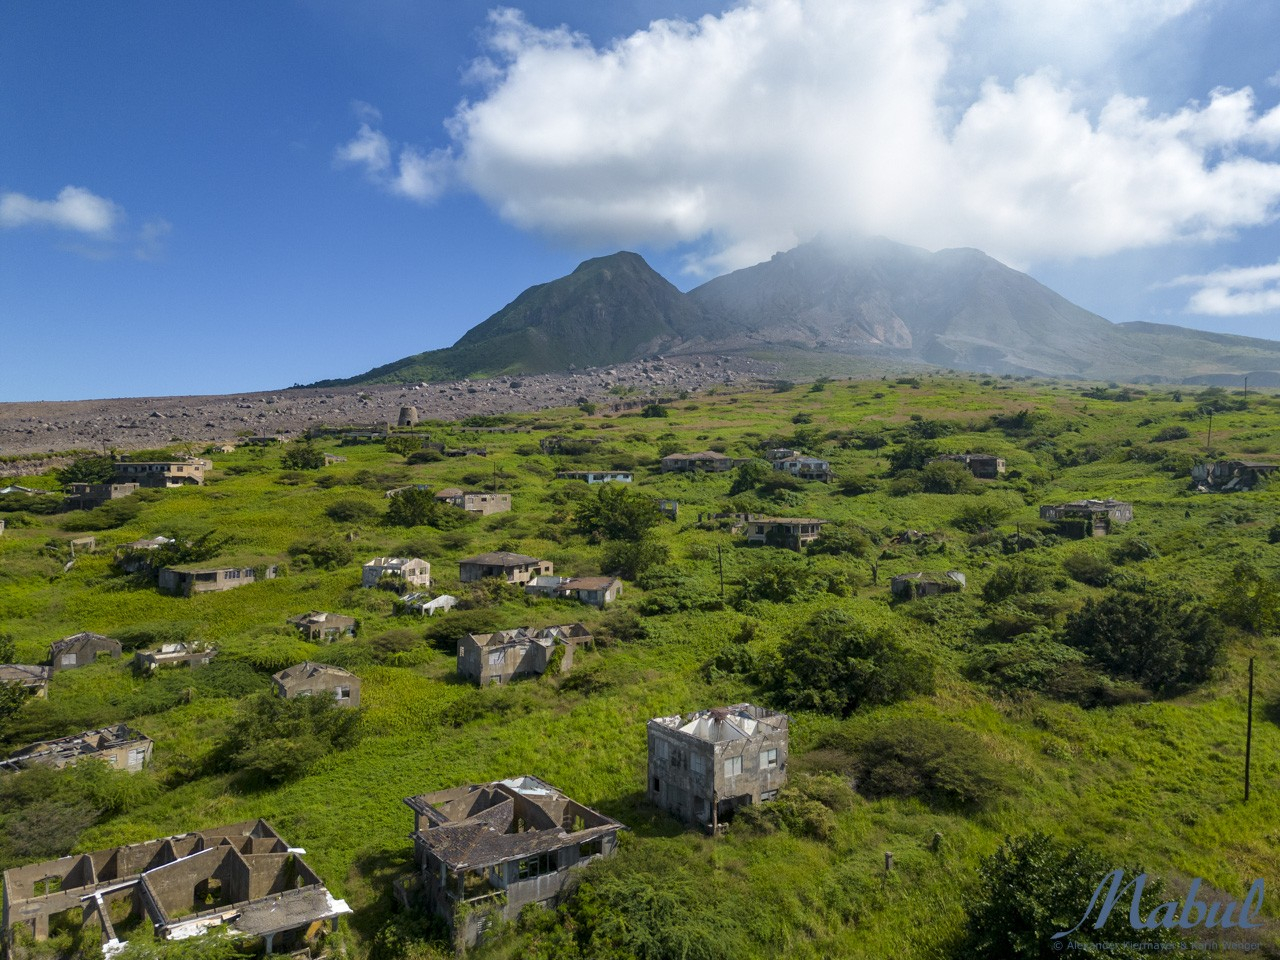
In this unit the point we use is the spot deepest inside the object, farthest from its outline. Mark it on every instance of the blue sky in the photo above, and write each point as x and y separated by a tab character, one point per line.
211	198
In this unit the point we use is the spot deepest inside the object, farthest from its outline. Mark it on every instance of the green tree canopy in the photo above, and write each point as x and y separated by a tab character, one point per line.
87	470
616	513
274	739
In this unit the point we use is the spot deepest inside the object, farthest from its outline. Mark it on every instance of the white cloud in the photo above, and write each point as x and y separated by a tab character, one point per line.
152	239
780	119
413	174
1234	291
75	208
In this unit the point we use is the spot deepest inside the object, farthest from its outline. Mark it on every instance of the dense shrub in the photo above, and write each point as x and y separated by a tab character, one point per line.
352	510
941	763
1149	636
616	512
112	514
322	554
1249	600
302	456
273	739
947	476
979	517
629	559
1034	887
1008	580
1085	566
806	807
1177	432
837	664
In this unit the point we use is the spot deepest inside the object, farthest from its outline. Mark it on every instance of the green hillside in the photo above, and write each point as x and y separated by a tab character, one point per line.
975	717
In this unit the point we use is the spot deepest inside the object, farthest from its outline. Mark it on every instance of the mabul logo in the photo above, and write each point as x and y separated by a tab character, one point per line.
1191	913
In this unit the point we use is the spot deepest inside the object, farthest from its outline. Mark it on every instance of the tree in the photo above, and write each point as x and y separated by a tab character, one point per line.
1249	600
629	559
1034	886
749	475
655	410
87	470
274	739
616	513
837	664
302	456
947	476
403	445
1148	635
940	762
410	507
912	455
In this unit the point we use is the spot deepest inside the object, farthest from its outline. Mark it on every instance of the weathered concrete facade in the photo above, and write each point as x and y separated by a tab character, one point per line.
175	473
512	567
1087	518
184	581
793	533
308	678
983	466
908	586
243	875
80	650
325	627
708	461
416	572
705	765
178	654
87	496
487	851
805	468
523	652
34	679
120	747
596	476
476	501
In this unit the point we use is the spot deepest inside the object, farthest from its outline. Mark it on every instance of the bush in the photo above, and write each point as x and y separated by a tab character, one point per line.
655	410
629	559
352	510
1249	600
273	740
806	807
616	513
1034	887
1084	566
912	455
837	664
947	476
323	554
1149	636
979	517
87	470
1009	580
940	763
1171	433
302	456
114	513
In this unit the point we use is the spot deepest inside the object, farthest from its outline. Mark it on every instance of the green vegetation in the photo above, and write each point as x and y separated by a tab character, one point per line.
1079	707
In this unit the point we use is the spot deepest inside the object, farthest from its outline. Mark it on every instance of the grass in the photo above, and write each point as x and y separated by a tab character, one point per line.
1158	782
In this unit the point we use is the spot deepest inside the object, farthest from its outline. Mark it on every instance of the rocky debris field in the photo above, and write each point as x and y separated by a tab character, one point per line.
146	422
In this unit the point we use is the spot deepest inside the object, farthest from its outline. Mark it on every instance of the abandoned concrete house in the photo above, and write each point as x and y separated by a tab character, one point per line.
669	509
137	554
1228	476
179	654
416	573
793	533
570	445
1087	518
192	578
172	473
88	496
983	466
708	461
424	604
481	503
80	650
595	591
325	627
242	875
512	567
805	468
781	453
486	851
908	586
596	476
307	679
486	658
34	679
705	765
119	747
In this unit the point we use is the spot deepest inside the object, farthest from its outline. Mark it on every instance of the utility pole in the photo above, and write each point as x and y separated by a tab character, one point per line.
1248	736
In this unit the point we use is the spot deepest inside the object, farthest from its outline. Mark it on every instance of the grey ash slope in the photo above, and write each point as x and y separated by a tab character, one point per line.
872	299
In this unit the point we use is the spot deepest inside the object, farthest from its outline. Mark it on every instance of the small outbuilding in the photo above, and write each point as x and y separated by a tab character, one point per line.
307	679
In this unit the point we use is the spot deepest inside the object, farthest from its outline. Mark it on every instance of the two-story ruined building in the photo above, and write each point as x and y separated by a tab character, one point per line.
486	658
705	765
486	851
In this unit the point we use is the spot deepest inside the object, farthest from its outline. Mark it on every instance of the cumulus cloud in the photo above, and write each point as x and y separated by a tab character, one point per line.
1234	291
741	133
75	208
411	174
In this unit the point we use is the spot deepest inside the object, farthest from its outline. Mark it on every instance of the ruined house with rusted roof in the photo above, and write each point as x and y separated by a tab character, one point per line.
486	851
309	678
486	658
119	746
243	876
705	765
80	650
